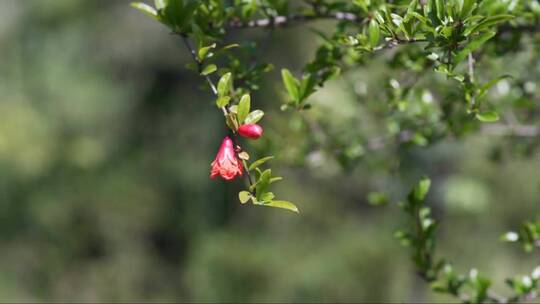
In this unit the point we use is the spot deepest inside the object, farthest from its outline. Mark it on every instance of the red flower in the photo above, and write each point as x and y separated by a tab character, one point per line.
252	131
226	164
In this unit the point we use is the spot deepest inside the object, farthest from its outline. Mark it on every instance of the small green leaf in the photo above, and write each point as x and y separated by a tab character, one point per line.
204	51
267	197
263	183
254	117
374	33
275	179
421	189
440	9
223	101
484	88
160	4
282	204
230	46
230	120
244	196
259	162
224	85
377	199
291	84
490	116
209	69
412	7
307	86
243	108
467	8
145	8
487	22
473	45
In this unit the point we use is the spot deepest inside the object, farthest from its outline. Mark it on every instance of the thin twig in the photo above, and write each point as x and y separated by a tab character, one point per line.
511	130
278	21
393	42
471	67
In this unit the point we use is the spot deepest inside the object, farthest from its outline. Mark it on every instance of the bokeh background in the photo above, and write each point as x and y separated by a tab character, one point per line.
105	145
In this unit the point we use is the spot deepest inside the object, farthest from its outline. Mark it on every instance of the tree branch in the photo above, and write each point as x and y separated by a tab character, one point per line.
511	130
525	131
278	21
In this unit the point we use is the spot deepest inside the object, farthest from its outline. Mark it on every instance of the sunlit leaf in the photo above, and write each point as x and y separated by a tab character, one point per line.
145	8
209	69
259	162
291	84
223	101
254	117
490	116
244	196
282	204
224	85
243	108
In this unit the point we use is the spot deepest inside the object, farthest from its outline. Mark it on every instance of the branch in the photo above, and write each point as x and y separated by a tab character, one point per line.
526	131
278	21
200	66
511	130
524	28
393	42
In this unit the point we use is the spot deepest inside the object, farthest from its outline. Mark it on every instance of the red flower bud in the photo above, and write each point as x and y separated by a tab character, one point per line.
226	164
252	131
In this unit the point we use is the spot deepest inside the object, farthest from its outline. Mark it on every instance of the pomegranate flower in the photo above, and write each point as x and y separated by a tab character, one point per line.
252	131
226	164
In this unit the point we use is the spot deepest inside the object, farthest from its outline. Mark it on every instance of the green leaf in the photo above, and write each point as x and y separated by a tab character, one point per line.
201	54
291	84
160	4
377	199
145	8
209	69
267	197
419	17
421	189
486	23
307	86
282	204
244	196
275	179
224	85
259	162
473	45
223	101
484	88
412	7
490	116
230	120
263	183
230	46
243	108
254	117
440	9
374	33
467	8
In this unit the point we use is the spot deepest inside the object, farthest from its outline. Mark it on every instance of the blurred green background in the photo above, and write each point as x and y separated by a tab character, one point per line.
105	146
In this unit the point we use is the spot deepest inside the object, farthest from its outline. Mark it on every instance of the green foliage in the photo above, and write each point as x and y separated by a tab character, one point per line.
224	85
243	108
528	235
455	39
471	288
